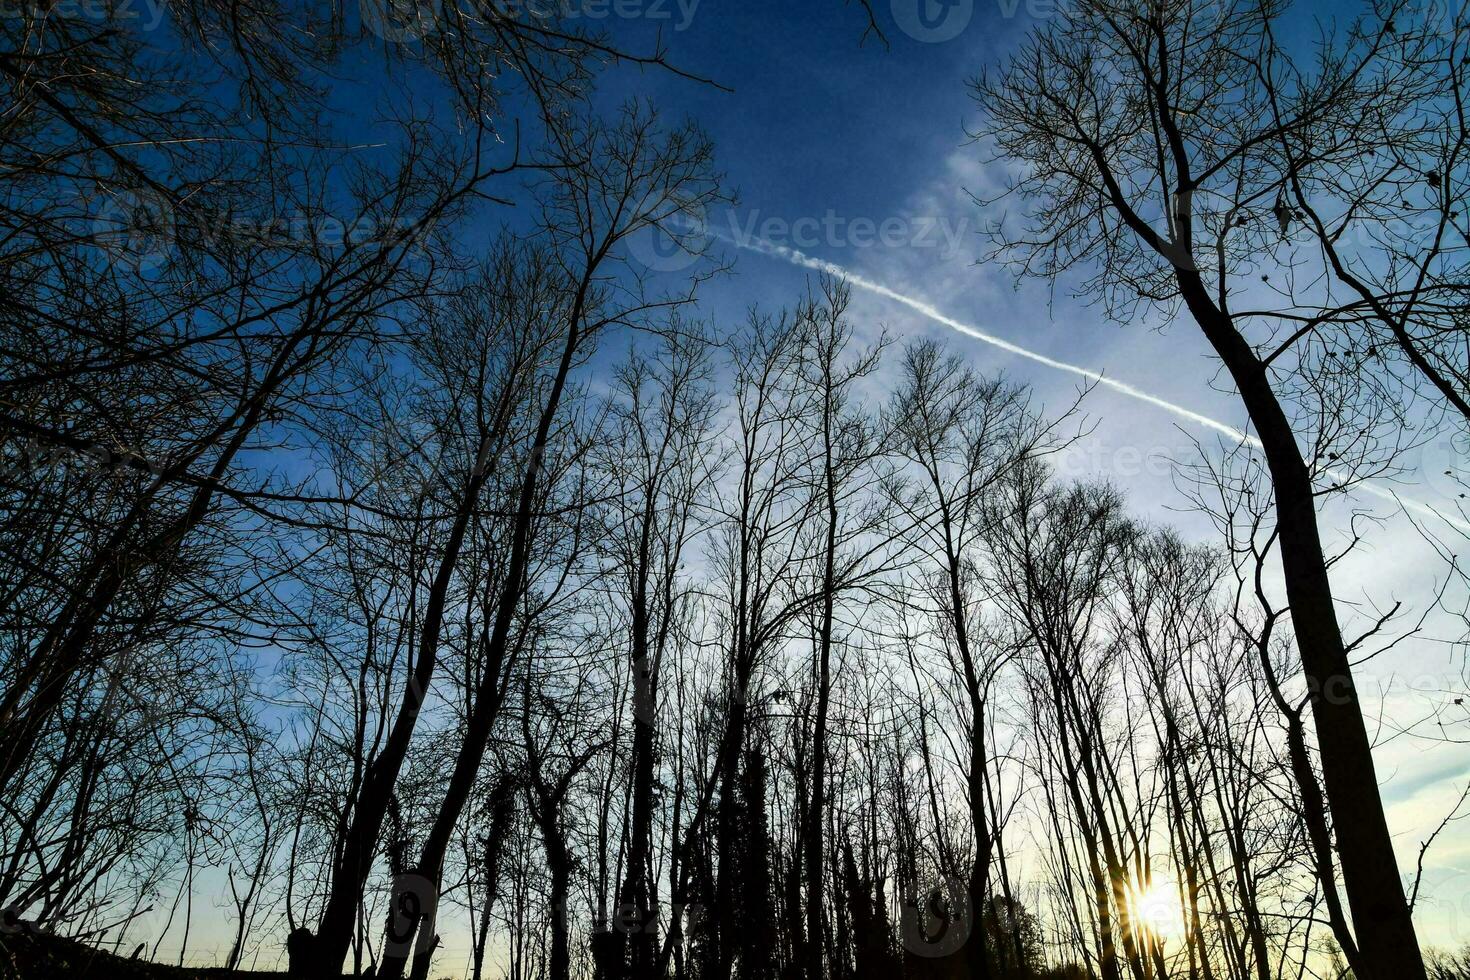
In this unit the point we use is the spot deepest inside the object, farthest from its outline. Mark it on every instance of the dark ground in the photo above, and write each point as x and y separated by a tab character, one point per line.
27	955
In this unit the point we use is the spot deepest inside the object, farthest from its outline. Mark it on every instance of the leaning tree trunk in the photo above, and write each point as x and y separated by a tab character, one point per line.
815	873
637	893
637	888
322	954
502	809
489	693
978	948
559	865
1387	944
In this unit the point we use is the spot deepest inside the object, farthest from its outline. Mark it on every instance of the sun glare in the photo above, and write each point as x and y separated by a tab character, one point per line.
1156	909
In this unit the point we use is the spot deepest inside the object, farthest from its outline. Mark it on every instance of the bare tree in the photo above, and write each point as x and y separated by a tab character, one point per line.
637	178
1151	139
847	449
961	435
659	467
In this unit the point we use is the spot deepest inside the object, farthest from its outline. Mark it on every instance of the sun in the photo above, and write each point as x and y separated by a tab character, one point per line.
1156	909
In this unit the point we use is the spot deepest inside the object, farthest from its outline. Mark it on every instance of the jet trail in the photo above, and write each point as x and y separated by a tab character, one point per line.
794	257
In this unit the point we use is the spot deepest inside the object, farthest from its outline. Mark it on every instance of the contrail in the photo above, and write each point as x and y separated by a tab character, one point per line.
791	255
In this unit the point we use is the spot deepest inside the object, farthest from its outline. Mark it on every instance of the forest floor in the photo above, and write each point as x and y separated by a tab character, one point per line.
29	955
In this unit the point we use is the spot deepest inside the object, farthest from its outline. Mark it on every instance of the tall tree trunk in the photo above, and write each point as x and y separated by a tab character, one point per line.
502	806
1387	943
978	947
816	813
325	951
723	922
490	694
559	865
637	893
637	888
756	939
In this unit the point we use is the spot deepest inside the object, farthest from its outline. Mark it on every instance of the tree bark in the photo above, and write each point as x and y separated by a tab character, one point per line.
328	948
814	852
1387	943
490	695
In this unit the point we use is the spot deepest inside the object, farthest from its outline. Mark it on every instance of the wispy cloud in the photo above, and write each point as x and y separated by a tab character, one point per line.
924	309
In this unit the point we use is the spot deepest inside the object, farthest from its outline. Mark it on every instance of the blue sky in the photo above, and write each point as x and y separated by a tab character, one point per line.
856	154
822	128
